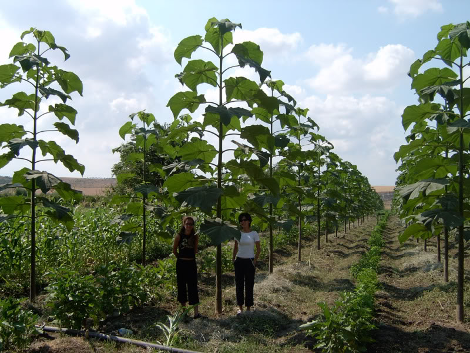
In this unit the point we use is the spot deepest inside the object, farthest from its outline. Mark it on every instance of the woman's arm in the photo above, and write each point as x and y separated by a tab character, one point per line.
176	242
235	250
196	243
258	250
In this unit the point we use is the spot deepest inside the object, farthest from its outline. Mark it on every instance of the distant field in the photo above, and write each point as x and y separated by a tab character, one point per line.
380	189
98	186
90	186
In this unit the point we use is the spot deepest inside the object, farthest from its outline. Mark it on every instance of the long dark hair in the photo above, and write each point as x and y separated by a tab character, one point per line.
193	231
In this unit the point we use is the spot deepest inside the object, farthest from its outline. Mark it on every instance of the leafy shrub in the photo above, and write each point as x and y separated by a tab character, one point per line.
122	288
74	298
17	325
346	326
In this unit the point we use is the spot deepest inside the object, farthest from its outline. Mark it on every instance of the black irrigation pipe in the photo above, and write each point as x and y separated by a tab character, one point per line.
102	336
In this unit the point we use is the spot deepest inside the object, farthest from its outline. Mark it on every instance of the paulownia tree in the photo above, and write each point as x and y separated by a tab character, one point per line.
435	206
214	184
43	82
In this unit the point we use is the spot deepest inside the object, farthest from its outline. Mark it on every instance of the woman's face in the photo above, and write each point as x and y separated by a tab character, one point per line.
245	223
188	225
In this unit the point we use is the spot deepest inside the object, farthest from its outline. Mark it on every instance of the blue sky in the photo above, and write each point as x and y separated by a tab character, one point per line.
344	60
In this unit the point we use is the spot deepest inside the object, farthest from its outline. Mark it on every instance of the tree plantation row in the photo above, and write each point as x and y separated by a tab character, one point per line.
267	159
433	183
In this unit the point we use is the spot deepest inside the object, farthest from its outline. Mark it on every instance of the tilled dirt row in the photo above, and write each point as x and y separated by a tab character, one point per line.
415	307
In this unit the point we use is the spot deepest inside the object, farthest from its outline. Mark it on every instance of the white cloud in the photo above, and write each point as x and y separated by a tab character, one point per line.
340	72
117	54
365	131
388	62
415	8
271	40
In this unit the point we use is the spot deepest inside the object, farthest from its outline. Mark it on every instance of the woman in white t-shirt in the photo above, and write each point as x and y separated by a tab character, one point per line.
244	259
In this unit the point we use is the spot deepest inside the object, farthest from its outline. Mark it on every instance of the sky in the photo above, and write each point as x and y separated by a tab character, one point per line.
346	61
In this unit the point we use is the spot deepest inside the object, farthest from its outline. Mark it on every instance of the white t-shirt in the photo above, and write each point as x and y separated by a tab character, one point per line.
246	244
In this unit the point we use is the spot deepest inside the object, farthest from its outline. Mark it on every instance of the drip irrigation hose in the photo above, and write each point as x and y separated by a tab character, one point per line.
103	336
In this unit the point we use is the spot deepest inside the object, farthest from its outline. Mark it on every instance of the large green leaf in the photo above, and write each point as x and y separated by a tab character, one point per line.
213	38
197	72
249	50
288	120
262	114
198	149
66	130
462	32
11	131
425	187
450	218
15	145
263	200
7	74
259	136
12	204
6	158
20	101
227	114
46	92
249	53
219	232
186	47
185	100
44	180
418	113
69	82
416	230
241	88
445	30
181	181
64	110
22	48
449	50
433	77
203	197
67	193
446	91
436	167
147	190
217	31
271	104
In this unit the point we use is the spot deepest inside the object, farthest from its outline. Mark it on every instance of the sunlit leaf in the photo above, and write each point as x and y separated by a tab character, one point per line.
186	47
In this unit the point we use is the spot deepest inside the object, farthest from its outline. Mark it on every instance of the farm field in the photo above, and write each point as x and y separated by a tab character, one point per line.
415	309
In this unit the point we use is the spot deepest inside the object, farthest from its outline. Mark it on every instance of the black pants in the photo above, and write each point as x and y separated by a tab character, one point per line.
186	279
244	281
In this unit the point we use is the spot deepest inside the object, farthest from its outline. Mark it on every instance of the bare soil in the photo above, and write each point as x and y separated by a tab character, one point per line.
415	308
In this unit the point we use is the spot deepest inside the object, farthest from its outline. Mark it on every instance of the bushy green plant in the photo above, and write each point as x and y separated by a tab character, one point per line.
17	325
74	298
344	327
370	259
122	288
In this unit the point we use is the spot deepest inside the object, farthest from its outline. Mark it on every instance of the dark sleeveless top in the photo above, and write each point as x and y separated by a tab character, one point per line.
186	246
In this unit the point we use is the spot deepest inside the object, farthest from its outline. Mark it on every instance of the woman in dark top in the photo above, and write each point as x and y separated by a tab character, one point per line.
185	250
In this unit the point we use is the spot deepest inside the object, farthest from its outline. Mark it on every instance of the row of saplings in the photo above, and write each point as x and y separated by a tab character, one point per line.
347	325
